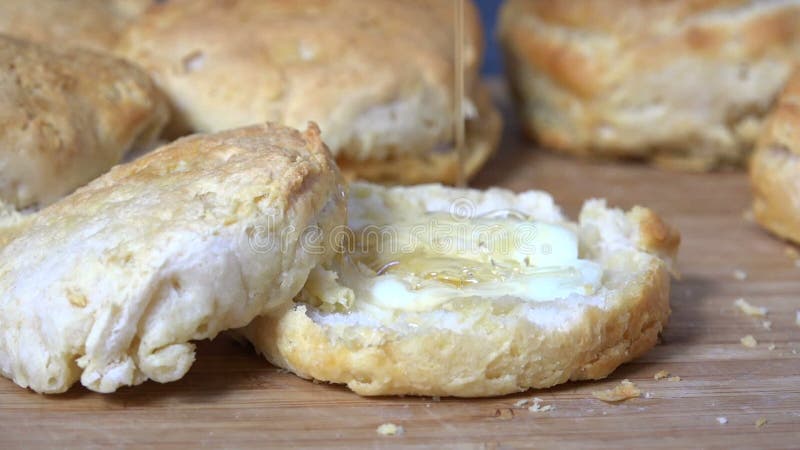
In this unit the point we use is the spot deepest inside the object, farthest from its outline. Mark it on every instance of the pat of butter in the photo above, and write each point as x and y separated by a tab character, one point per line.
420	265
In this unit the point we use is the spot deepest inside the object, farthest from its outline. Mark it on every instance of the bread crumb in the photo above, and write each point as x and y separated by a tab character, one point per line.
674	378
739	274
538	407
792	252
749	341
661	374
648	395
623	391
390	429
761	422
771	347
522	403
77	299
722	420
504	414
767	325
750	310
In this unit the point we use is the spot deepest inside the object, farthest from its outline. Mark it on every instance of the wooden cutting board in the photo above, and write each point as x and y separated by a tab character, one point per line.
232	398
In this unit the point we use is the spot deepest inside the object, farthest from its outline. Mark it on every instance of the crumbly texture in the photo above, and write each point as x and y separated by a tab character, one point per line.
683	83
111	284
479	347
66	117
749	309
389	429
775	167
94	24
660	375
376	75
623	391
749	341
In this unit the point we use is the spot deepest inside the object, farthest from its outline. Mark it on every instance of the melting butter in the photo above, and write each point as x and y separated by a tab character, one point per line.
418	265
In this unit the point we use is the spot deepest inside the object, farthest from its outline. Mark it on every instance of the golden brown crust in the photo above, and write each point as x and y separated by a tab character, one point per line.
482	138
598	77
377	75
492	361
775	167
94	24
67	116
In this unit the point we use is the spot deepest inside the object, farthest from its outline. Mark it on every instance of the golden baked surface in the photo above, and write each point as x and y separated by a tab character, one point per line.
684	83
474	346
376	75
67	116
775	167
95	24
110	284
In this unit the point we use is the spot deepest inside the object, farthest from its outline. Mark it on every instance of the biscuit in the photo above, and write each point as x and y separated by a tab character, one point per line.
775	167
66	117
110	284
483	338
684	83
95	24
377	76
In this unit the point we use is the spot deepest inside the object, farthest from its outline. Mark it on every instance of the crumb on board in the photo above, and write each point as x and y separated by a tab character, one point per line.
522	403
749	341
740	274
767	324
648	395
792	252
622	391
538	407
761	422
504	414
748	215
771	347
674	378
390	429
750	310
722	420
661	374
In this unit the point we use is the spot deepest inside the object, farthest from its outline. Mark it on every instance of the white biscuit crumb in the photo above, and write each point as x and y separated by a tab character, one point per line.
767	324
771	347
750	310
538	407
390	429
740	274
749	341
623	391
761	422
722	420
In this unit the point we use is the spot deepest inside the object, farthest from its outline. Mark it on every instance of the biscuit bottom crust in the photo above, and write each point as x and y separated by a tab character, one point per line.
482	138
509	355
775	176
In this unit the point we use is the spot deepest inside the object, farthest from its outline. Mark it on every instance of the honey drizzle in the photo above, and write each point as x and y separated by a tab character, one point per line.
458	117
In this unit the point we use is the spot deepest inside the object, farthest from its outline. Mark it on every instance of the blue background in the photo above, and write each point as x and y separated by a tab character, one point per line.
492	63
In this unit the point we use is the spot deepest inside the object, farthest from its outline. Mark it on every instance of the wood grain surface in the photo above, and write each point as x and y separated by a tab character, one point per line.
233	399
